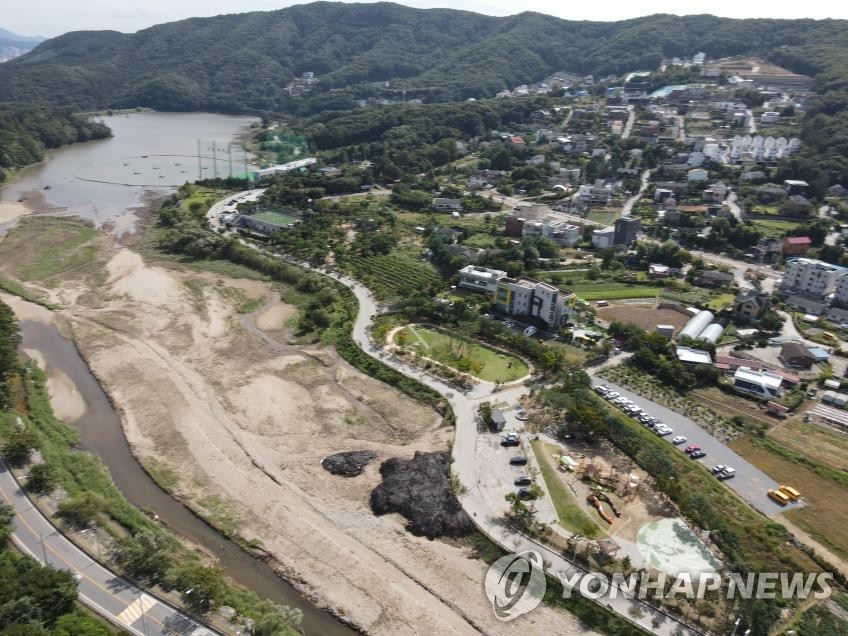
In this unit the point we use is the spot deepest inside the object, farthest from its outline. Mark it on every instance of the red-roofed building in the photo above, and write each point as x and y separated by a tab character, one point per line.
515	140
795	245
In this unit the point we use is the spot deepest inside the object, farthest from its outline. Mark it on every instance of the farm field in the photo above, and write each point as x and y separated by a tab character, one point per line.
395	274
644	315
600	289
463	355
820	443
774	227
606	217
825	517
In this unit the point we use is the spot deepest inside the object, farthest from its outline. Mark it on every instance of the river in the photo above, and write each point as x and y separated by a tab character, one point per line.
151	134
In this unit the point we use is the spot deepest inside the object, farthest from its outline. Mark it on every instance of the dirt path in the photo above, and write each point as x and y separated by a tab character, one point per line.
840	564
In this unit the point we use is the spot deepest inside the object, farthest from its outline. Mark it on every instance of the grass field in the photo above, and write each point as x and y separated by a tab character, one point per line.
775	227
721	301
463	355
825	516
40	249
276	218
601	216
816	442
394	274
611	290
568	509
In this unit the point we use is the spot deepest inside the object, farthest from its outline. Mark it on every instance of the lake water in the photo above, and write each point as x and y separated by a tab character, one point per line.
148	152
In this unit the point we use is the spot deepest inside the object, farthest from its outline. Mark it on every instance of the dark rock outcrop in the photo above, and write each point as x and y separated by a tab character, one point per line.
420	490
348	464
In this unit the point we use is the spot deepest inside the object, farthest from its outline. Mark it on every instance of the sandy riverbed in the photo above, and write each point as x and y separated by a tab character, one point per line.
243	420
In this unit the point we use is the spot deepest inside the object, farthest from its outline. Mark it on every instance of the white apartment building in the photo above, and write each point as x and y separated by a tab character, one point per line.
532	298
480	279
840	297
559	232
810	277
603	238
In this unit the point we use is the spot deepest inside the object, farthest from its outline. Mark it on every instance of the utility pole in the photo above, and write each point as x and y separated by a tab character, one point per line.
230	158
214	159
199	161
43	548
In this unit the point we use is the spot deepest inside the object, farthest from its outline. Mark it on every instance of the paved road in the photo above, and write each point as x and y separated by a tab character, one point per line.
750	482
643	185
630	119
110	596
465	467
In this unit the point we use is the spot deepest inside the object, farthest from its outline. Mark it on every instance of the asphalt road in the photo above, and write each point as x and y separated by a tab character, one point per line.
750	482
114	598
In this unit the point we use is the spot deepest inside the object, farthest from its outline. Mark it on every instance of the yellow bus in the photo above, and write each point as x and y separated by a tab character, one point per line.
779	497
790	492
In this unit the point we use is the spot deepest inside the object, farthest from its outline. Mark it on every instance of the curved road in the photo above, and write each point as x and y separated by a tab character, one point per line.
465	407
120	602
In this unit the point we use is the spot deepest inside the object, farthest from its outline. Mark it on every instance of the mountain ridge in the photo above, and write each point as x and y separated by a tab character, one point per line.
242	62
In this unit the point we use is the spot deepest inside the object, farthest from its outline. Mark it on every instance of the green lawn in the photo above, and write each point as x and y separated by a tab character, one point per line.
276	218
463	355
720	301
602	217
610	290
775	227
568	509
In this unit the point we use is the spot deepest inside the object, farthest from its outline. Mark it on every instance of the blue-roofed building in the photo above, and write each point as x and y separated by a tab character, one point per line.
819	354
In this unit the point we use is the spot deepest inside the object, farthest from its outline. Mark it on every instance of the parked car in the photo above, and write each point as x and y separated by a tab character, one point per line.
698	454
680	439
727	473
518	460
510	439
692	448
524	480
718	468
524	493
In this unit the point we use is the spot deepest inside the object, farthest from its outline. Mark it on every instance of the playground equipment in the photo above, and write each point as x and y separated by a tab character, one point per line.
605	497
596	502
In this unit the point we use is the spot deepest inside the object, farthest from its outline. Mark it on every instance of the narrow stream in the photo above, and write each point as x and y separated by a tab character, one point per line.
101	434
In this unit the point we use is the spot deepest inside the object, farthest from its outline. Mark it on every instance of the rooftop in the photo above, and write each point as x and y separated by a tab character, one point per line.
763	378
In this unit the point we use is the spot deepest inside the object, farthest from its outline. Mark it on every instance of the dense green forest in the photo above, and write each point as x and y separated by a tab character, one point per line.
243	62
26	131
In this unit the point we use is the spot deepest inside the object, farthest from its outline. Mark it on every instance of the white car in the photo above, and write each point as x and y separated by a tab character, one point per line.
719	468
680	439
612	395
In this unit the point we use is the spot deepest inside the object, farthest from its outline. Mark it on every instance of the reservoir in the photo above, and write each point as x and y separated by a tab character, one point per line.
149	152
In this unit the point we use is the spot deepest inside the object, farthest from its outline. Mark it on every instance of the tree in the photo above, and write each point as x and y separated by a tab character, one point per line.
202	587
78	624
82	510
7	514
145	556
42	479
19	444
271	619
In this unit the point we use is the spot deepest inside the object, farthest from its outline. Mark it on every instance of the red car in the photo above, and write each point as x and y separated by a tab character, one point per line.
691	449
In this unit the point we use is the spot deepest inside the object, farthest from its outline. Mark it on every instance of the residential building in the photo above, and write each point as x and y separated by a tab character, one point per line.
697	174
603	238
767	194
761	384
515	226
714	278
626	229
795	354
796	245
658	270
810	278
526	297
447	235
689	356
840	296
481	279
795	186
769	118
750	305
446	205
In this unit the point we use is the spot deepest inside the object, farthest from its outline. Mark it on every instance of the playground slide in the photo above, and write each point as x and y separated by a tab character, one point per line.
600	508
605	497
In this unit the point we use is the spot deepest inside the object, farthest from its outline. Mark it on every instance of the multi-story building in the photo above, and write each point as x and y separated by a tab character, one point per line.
603	238
559	232
840	296
810	278
626	229
526	297
480	279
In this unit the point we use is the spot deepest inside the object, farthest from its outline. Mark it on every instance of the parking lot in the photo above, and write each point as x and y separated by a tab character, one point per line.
750	482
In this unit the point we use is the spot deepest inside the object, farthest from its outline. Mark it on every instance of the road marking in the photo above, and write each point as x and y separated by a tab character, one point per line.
134	610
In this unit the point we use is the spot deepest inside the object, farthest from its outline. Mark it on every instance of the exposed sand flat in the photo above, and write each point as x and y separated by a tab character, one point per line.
9	211
65	399
244	420
26	310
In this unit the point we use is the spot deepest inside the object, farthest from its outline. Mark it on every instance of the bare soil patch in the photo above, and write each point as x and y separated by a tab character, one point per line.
646	316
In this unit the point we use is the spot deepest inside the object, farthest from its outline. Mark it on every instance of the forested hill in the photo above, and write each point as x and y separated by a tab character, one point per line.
241	63
26	131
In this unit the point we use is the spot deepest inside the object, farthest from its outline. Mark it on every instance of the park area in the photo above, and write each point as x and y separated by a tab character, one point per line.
461	354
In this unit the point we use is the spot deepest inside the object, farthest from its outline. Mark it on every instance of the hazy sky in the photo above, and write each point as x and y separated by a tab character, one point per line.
53	17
